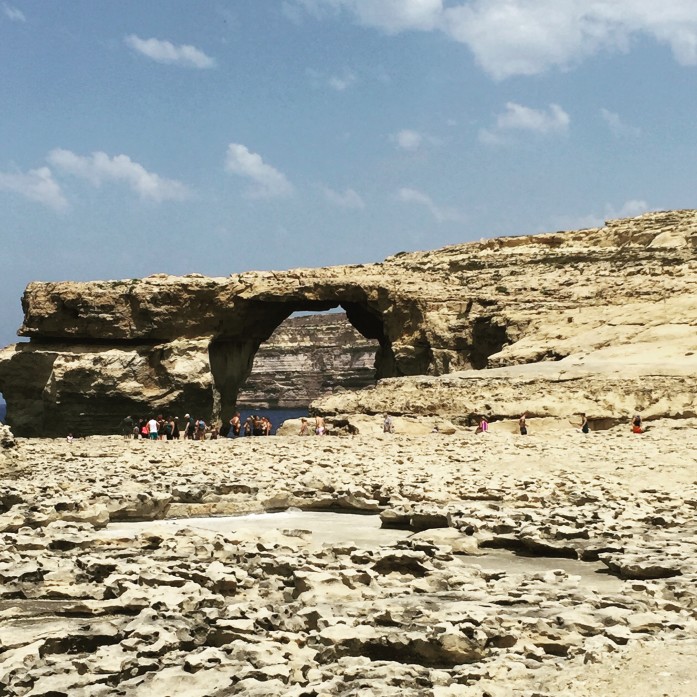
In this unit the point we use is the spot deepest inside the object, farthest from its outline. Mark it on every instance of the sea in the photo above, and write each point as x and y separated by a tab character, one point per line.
275	416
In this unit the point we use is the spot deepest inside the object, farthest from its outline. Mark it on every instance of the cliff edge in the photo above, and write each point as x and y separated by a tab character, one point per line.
599	320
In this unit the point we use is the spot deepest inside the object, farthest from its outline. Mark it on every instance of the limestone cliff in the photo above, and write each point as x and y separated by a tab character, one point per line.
308	357
596	300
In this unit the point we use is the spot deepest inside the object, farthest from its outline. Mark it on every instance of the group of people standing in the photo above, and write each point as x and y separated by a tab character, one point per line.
169	428
154	428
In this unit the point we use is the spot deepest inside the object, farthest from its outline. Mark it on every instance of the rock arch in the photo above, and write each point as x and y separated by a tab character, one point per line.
231	353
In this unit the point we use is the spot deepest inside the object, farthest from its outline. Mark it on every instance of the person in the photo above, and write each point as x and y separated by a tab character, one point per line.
190	428
320	428
235	426
249	425
200	430
266	426
387	424
69	438
152	428
169	428
483	425
522	425
304	427
127	427
585	428
636	424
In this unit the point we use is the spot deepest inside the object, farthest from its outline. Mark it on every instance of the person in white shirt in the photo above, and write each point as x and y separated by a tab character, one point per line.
152	429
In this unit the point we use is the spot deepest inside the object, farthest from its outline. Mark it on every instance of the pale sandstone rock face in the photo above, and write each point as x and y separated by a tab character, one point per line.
619	301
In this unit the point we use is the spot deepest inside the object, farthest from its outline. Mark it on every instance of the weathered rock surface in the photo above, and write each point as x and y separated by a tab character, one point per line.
153	608
620	300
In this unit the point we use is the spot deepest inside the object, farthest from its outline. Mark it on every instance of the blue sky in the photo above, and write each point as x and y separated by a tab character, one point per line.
217	137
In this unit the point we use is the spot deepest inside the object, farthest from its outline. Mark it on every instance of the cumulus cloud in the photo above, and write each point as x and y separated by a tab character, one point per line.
36	185
346	199
268	182
527	37
440	213
98	168
517	117
167	52
618	126
13	13
389	15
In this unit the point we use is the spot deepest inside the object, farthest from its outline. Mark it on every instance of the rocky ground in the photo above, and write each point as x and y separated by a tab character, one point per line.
600	599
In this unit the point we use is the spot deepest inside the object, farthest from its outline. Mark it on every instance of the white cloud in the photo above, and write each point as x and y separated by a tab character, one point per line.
441	214
346	199
342	82
36	185
13	13
410	140
99	167
527	37
390	15
617	126
166	52
268	181
407	139
517	117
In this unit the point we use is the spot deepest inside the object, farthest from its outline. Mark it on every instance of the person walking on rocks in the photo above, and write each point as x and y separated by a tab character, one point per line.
483	425
636	424
388	424
320	428
522	425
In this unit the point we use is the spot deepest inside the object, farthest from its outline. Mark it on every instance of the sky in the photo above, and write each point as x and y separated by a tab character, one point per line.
217	137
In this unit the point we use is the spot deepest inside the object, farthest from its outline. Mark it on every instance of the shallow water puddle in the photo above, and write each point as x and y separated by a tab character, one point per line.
366	531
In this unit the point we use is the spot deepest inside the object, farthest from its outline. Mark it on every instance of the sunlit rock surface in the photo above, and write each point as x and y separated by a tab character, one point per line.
557	564
620	300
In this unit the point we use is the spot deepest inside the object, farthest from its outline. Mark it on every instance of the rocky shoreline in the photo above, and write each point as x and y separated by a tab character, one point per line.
89	608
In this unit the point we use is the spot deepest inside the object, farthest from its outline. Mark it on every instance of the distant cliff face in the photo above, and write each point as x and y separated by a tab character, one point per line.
617	301
306	358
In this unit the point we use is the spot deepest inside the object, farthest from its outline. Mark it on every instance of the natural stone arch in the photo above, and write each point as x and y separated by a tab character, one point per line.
231	353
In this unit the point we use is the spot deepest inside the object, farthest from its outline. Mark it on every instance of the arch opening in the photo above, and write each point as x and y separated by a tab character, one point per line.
273	357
